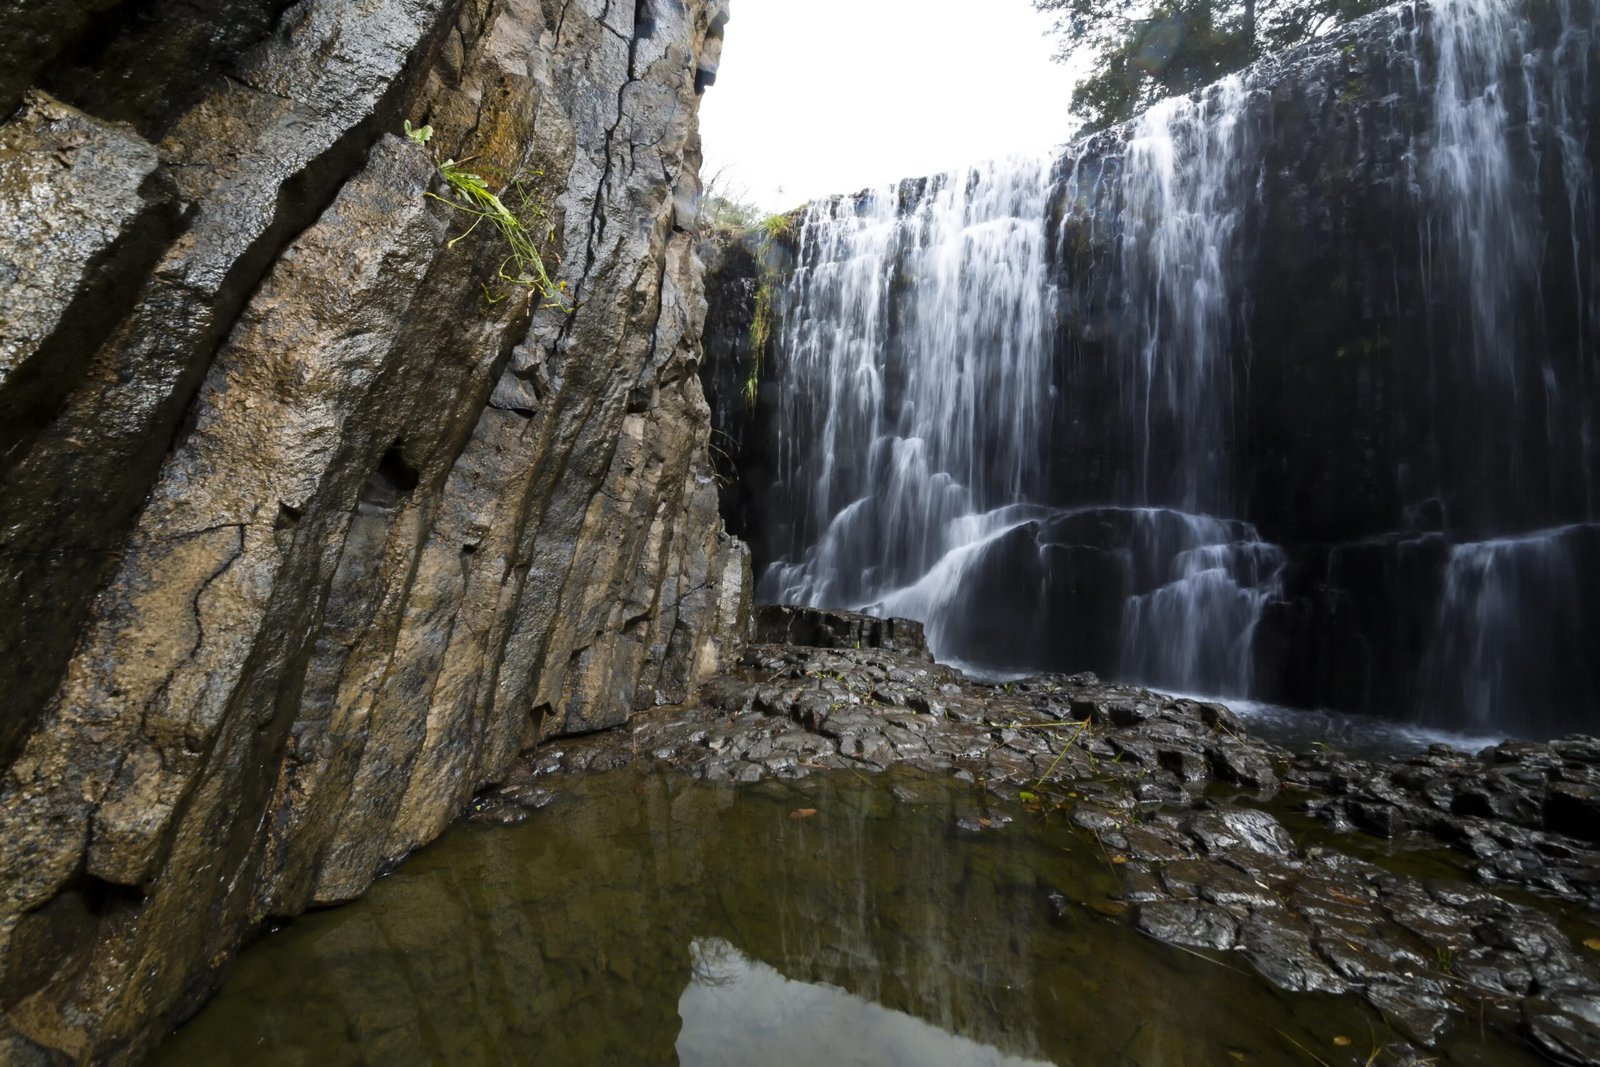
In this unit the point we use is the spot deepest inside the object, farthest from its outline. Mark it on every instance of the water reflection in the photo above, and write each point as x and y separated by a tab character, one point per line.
568	939
739	1011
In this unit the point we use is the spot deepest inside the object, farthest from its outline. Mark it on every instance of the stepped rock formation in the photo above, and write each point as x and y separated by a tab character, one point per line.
306	534
1287	390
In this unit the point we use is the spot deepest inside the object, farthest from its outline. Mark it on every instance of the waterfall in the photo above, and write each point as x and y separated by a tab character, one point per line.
1188	170
1228	407
915	347
1508	128
1508	641
1567	117
1472	176
1194	633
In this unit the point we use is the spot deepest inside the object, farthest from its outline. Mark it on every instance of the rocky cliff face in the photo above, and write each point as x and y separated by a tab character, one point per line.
310	525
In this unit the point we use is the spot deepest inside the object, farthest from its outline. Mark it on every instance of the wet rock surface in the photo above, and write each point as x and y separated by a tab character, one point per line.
1195	814
780	624
309	525
1527	814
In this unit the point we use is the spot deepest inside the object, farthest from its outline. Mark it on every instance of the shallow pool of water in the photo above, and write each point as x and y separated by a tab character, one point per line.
1301	729
649	918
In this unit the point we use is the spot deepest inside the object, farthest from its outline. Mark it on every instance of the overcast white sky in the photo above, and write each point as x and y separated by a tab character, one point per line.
830	96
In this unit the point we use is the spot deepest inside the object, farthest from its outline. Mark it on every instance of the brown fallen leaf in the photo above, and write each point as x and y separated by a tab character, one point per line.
1119	859
1342	1041
1111	909
802	813
1593	942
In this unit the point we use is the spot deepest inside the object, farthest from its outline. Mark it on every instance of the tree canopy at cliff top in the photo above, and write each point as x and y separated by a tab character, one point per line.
1141	52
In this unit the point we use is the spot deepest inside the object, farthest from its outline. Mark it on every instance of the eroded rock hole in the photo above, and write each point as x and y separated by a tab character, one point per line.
61	930
392	480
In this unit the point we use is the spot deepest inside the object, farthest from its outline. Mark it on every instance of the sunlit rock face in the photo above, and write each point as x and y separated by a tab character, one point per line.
1288	390
310	526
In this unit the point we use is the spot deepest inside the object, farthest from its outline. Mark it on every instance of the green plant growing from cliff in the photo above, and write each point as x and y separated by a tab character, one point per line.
760	337
469	191
774	229
778	227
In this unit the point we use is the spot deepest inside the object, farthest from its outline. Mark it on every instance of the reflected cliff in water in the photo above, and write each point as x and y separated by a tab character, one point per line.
739	1010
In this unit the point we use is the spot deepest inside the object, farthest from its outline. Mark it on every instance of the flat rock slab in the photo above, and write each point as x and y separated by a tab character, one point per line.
781	624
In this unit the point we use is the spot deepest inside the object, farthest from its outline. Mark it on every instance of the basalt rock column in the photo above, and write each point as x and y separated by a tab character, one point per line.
317	524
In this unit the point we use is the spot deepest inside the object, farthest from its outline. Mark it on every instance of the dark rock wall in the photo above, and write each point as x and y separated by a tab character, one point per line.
733	279
1363	372
1371	427
1358	405
1415	469
305	537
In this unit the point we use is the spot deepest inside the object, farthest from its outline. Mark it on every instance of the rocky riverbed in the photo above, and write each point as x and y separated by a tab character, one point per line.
1445	889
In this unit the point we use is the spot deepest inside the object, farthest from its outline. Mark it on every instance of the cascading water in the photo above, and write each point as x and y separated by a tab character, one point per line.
1016	401
917	336
1473	187
1507	642
1508	634
915	346
1506	116
1188	170
1195	633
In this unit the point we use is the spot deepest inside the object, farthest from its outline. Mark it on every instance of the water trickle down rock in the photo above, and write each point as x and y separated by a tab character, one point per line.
1306	337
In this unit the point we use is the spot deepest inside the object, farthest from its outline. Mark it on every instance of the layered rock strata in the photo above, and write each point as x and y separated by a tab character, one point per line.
312	522
1344	301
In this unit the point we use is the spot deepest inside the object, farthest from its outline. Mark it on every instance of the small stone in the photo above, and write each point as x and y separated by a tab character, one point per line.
1256	831
1565	1027
1194	924
1285	957
1421	1015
